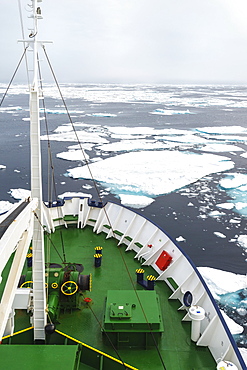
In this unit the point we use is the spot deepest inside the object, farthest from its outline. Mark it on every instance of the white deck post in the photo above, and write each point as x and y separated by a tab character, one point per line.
39	318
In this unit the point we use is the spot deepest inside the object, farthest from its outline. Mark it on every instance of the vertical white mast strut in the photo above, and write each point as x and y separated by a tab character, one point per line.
40	317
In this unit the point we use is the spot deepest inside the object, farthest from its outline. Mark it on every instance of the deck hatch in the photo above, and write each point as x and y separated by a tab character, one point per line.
132	315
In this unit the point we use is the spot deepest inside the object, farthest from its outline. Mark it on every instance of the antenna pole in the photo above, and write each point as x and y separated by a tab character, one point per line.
39	293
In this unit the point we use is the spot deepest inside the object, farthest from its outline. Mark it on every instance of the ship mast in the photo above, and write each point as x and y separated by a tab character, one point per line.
39	294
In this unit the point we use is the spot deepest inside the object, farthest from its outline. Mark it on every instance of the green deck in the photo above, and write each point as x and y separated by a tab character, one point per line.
39	357
85	325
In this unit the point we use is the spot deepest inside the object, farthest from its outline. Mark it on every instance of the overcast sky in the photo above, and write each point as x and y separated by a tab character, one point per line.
134	41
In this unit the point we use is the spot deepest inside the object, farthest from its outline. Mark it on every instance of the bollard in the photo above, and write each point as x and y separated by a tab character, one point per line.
98	250
150	282
97	260
139	275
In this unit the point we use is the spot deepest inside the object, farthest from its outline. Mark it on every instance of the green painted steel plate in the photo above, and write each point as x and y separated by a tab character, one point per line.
132	311
42	357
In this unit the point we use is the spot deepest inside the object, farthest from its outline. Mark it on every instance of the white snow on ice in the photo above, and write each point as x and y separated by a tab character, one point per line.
153	173
221	282
5	206
20	193
135	201
73	155
233	181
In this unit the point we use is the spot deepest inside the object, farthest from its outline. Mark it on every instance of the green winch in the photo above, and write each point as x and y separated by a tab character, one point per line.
64	285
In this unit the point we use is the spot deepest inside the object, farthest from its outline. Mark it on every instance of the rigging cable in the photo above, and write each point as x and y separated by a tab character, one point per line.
111	227
51	165
24	43
106	334
72	124
11	80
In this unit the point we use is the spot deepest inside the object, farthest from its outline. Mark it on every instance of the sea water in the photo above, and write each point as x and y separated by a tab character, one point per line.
176	154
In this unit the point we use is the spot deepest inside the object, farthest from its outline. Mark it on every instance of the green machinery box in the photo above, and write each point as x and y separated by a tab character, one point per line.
133	318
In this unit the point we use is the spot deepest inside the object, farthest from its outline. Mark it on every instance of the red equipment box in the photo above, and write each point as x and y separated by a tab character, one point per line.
164	260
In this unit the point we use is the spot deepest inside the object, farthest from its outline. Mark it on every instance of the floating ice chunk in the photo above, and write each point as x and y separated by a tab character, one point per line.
69	194
5	206
128	145
131	130
234	180
85	146
242	241
135	201
188	139
232	325
225	205
128	137
240	205
83	136
190	204
220	148
234	221
63	128
20	193
170	112
17	171
218	130
153	172
87	186
219	235
73	155
244	155
10	109
232	138
221	282
180	239
101	115
216	214
172	132
2	167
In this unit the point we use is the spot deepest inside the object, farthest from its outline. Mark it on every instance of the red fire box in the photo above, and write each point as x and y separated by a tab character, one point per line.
164	260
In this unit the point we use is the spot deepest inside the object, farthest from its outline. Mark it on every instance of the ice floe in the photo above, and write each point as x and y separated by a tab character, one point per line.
225	205
242	241
70	135
219	235
170	112
20	193
73	155
221	282
129	145
101	115
135	201
2	167
233	180
219	130
229	290
216	213
5	206
221	148
152	173
10	109
232	325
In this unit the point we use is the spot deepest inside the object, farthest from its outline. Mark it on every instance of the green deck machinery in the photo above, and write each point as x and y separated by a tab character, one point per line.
64	285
